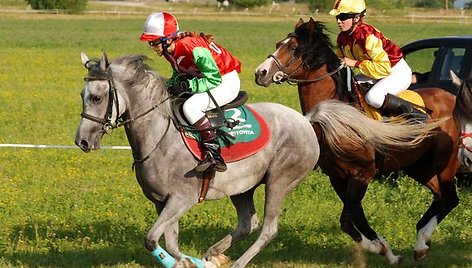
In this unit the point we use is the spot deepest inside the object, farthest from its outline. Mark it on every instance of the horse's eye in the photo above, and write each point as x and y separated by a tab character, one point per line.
96	99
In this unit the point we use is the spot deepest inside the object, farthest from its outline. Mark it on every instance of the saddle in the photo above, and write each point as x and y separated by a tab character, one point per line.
358	90
241	131
216	116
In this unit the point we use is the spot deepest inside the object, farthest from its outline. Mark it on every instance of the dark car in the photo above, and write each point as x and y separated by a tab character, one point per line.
431	59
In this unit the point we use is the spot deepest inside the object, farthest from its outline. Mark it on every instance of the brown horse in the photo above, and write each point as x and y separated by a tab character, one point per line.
306	58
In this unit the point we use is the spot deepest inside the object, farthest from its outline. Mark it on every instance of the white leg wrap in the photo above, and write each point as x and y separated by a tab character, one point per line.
425	233
379	246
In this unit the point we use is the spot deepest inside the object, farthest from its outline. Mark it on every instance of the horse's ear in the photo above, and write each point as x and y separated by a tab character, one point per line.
84	58
299	23
104	62
455	79
311	24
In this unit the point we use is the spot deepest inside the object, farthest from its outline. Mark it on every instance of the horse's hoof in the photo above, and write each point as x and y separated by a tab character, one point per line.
421	254
218	260
185	263
397	261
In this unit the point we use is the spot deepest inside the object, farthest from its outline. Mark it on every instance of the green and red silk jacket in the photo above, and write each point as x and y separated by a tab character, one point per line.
201	62
375	54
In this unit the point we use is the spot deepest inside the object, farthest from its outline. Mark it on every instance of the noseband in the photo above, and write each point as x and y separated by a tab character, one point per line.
281	76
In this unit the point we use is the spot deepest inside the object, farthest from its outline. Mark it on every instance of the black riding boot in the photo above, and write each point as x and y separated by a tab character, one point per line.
212	159
395	106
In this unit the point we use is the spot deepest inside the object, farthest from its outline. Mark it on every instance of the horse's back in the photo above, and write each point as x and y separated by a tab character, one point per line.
441	102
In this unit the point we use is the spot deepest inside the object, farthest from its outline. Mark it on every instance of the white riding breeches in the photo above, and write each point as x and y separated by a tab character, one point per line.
195	107
398	81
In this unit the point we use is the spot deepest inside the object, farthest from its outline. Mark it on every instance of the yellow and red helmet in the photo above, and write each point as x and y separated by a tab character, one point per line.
348	6
159	25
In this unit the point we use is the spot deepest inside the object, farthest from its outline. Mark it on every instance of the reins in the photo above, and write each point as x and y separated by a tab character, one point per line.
281	76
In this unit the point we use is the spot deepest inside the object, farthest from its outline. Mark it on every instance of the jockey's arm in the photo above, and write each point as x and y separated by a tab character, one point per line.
209	69
377	64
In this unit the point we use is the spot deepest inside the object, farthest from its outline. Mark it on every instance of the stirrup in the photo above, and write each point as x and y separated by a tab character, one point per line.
204	165
219	166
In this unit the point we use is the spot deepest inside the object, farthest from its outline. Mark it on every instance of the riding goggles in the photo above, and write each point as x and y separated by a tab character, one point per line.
155	43
345	16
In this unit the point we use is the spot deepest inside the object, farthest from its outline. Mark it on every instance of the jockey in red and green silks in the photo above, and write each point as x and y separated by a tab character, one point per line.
199	66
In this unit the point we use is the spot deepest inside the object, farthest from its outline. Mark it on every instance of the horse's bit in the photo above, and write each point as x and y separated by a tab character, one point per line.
281	76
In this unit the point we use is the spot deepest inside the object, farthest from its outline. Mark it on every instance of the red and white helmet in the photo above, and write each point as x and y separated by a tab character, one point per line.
159	25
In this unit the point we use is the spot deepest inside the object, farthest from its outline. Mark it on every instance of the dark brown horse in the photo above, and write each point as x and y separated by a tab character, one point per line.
306	58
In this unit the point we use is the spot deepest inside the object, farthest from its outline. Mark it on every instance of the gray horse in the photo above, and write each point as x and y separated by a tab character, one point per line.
127	92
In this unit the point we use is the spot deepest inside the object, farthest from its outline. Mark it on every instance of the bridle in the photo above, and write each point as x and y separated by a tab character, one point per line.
281	76
107	123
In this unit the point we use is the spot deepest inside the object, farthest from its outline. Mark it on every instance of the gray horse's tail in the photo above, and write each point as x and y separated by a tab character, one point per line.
346	128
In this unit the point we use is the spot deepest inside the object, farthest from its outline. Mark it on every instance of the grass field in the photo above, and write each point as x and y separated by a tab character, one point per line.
64	208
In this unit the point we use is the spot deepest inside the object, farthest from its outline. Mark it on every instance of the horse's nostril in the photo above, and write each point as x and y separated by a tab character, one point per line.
83	144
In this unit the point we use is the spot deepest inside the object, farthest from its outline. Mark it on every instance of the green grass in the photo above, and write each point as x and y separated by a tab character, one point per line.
64	208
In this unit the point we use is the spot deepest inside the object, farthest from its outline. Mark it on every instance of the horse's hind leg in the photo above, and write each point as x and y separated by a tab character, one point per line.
247	223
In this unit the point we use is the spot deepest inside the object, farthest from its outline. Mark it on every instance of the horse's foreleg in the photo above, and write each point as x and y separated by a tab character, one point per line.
247	223
372	242
355	224
444	202
171	234
275	193
352	198
166	223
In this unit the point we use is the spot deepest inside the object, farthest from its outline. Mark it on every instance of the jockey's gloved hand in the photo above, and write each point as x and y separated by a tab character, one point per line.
179	88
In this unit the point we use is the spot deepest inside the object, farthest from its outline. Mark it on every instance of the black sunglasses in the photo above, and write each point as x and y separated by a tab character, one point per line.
345	16
155	43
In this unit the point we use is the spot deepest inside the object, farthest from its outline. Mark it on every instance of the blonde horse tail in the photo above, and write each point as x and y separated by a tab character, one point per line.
345	129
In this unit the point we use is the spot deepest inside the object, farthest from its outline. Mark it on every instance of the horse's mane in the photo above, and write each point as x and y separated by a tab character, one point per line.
464	98
137	75
316	49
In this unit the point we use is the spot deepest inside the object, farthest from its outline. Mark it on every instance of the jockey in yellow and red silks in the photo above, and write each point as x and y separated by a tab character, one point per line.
199	66
362	46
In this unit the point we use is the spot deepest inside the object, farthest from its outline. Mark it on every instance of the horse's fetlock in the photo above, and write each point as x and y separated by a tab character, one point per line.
150	244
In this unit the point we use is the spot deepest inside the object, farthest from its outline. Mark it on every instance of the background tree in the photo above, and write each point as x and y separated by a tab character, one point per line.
70	6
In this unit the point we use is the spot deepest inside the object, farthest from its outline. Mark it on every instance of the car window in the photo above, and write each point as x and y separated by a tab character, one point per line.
421	62
452	61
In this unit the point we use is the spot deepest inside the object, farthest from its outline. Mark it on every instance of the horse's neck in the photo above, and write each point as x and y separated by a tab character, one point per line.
147	131
312	93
